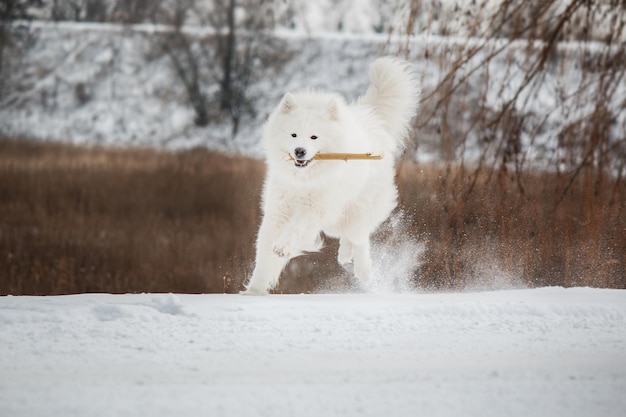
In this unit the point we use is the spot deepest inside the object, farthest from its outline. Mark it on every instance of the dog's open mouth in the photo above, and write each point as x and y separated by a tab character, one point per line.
301	163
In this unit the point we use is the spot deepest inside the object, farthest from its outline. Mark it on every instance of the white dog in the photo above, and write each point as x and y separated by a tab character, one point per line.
349	199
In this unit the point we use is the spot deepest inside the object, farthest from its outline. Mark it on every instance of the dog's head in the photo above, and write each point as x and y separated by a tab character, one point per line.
302	126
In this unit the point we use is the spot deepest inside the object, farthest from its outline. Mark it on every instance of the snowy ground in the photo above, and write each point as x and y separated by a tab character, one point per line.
538	352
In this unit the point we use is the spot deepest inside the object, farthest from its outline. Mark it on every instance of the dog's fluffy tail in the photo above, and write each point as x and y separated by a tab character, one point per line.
394	94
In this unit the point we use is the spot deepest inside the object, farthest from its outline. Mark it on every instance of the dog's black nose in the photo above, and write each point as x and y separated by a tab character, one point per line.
300	152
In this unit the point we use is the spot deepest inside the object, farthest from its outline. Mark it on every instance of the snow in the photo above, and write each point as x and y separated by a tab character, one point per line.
542	352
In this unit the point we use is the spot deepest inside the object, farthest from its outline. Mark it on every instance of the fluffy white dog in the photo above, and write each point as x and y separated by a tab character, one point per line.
303	197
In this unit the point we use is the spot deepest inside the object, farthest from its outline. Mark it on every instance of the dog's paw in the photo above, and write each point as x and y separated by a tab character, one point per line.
253	291
282	250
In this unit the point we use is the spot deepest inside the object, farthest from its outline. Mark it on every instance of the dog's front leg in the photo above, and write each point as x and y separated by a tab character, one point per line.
269	264
287	245
285	232
300	234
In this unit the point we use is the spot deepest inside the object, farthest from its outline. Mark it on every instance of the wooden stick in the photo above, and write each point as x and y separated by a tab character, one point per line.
345	156
338	156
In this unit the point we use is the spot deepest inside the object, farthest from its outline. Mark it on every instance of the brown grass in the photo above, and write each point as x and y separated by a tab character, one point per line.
91	219
548	231
76	219
563	226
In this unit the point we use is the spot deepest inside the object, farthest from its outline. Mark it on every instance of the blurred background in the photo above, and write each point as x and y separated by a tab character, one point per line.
130	157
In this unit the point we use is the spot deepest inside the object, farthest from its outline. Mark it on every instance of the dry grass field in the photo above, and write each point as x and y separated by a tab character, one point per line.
90	219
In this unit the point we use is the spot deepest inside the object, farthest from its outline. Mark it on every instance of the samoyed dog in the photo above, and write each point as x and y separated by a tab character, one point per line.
344	199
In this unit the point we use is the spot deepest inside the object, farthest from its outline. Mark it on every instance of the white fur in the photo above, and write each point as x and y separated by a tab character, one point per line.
344	199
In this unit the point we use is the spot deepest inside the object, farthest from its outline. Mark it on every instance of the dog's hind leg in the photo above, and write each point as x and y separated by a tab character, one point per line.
354	242
362	261
346	252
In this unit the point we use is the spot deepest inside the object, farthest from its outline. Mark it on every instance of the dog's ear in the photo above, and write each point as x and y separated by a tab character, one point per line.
288	103
333	109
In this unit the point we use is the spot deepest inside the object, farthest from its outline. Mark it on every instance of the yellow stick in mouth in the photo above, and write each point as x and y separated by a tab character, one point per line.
339	156
345	156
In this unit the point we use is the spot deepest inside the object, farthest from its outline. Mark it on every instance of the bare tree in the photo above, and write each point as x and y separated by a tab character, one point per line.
237	48
537	90
245	43
80	10
13	40
187	65
134	11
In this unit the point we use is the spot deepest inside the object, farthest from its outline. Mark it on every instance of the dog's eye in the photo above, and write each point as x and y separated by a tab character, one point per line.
313	137
293	135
